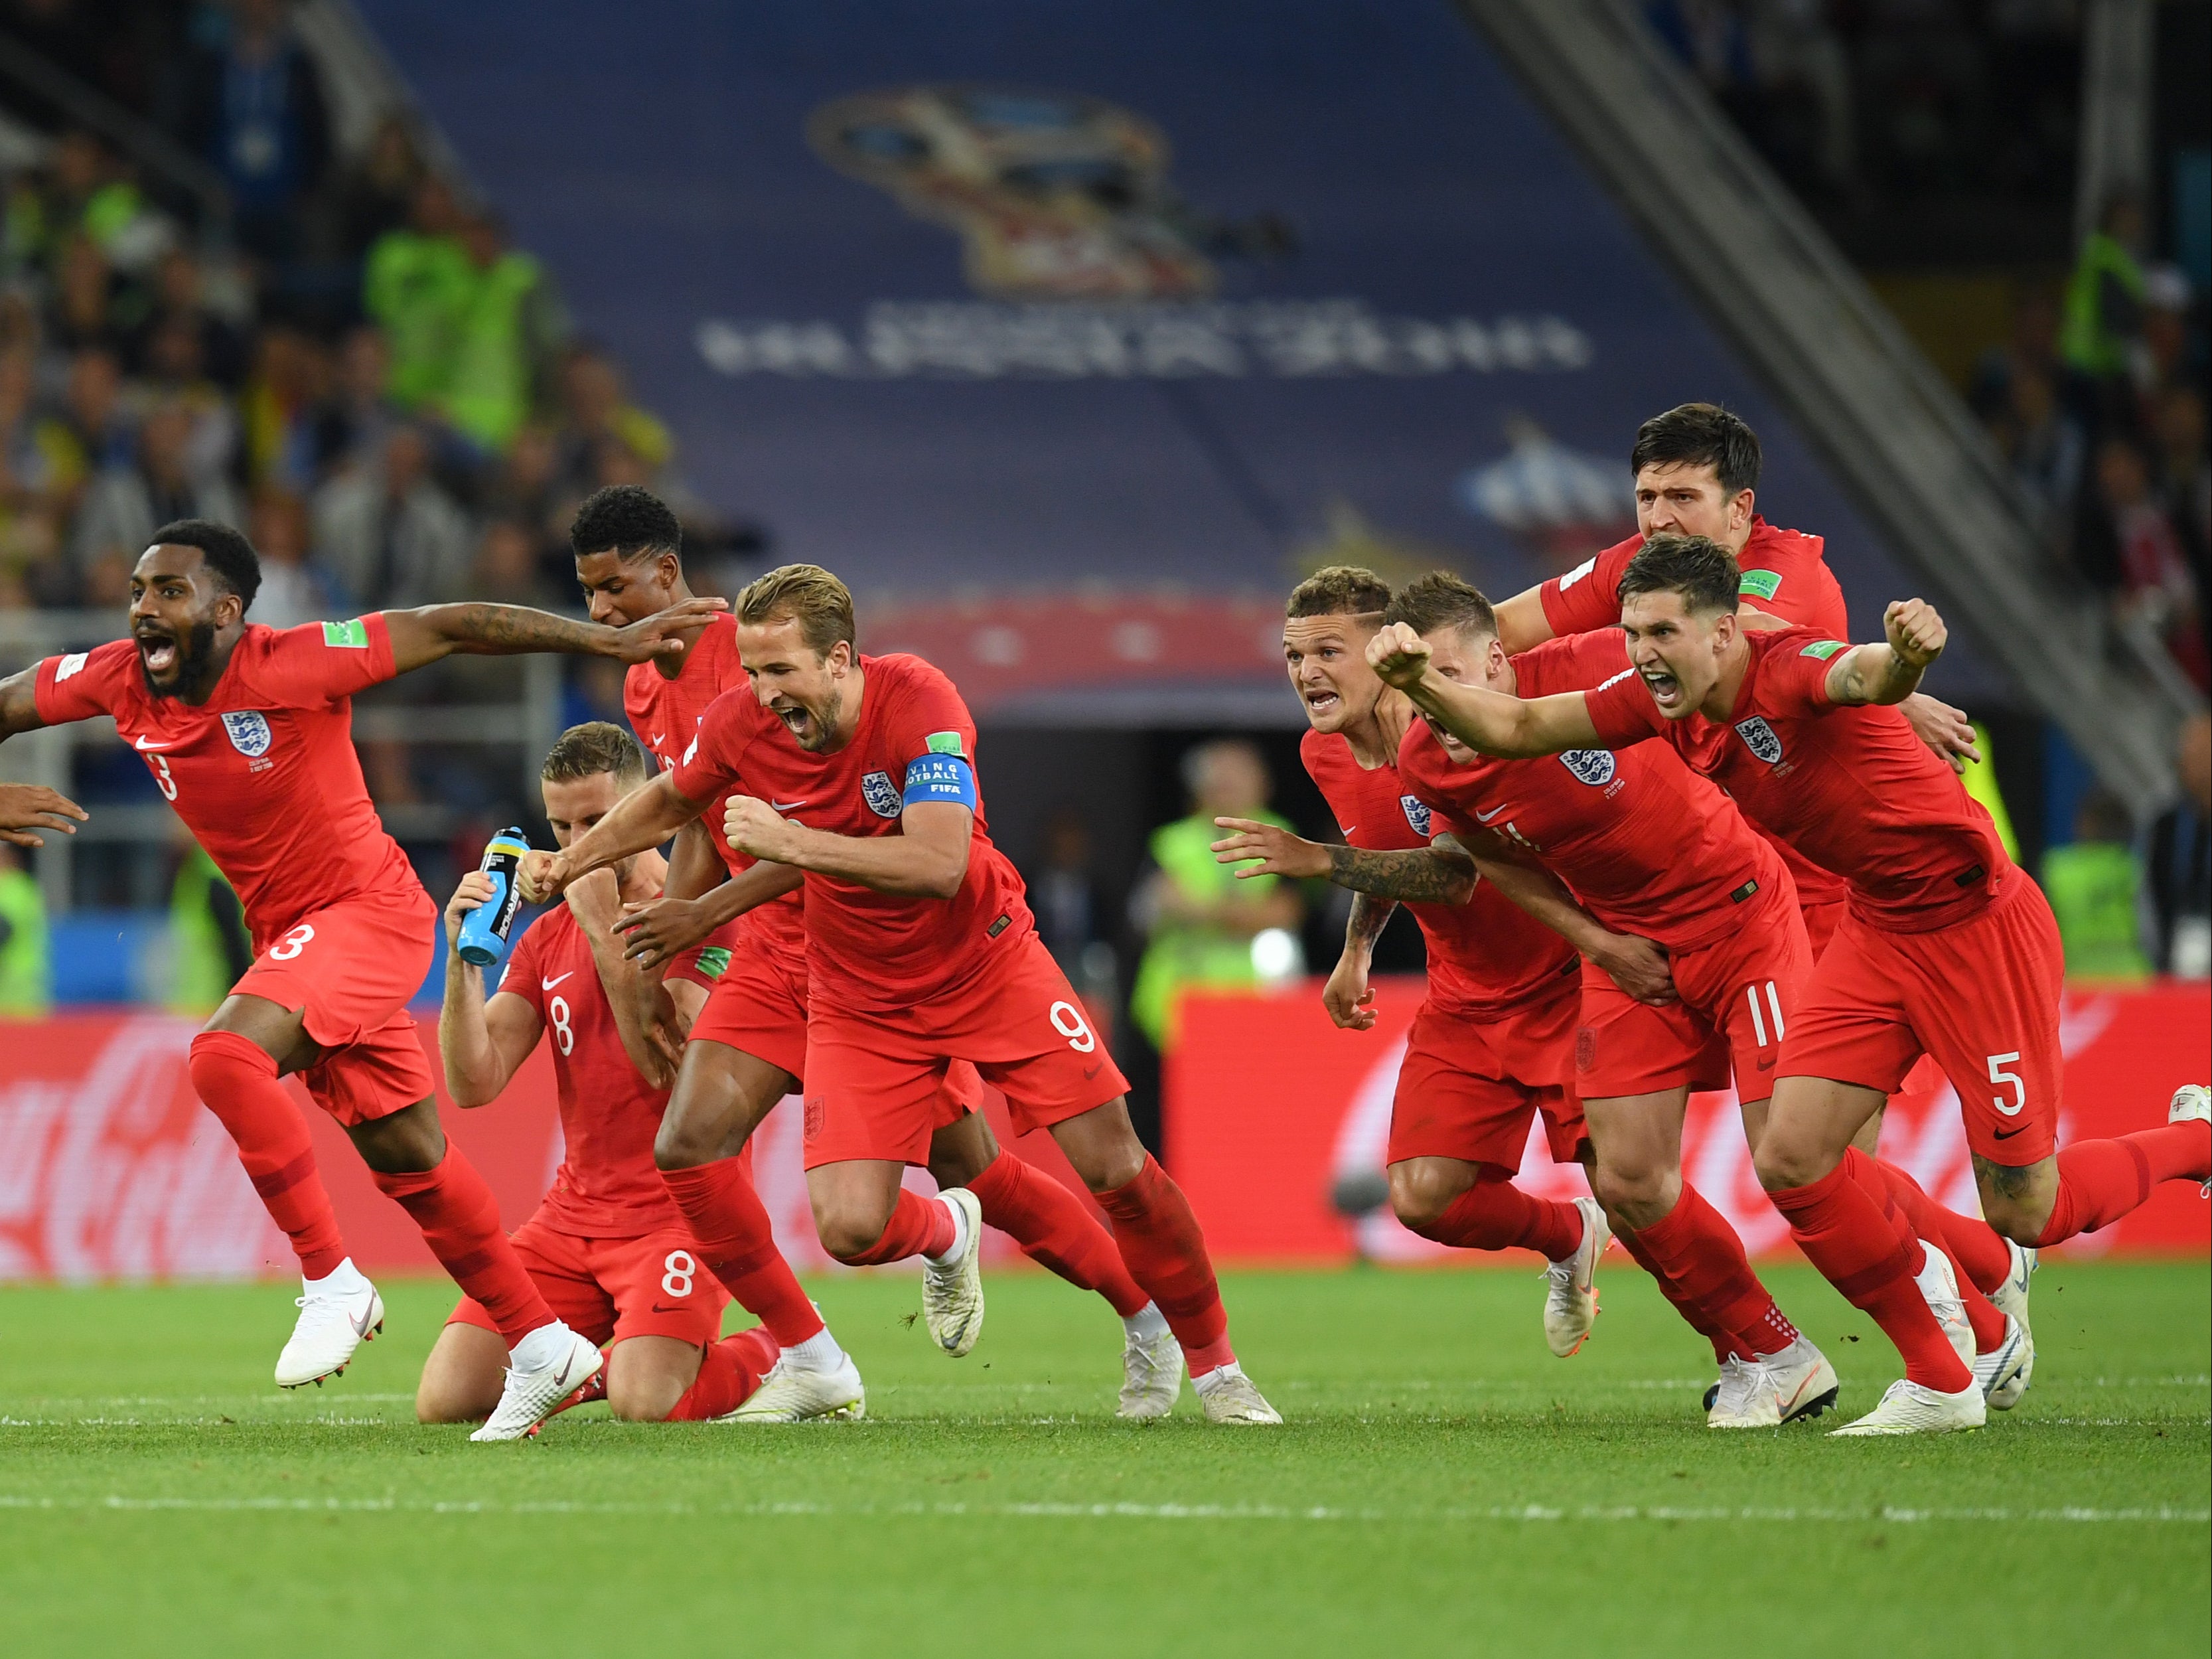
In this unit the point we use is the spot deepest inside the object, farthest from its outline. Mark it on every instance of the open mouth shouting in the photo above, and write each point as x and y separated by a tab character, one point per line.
1666	690
1322	700
158	652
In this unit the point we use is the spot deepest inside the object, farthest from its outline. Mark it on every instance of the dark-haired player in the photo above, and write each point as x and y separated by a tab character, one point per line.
247	730
748	1049
606	1248
1948	949
1649	849
920	952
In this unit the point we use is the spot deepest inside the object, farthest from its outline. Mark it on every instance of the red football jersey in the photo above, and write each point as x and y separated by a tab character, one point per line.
263	773
1784	574
868	950
665	714
1851	788
1486	956
607	1186
1649	847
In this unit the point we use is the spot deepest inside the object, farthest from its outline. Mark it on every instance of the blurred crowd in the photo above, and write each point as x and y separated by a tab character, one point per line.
347	359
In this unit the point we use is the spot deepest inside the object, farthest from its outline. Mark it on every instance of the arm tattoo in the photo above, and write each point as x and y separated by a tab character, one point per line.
1365	925
501	630
1422	875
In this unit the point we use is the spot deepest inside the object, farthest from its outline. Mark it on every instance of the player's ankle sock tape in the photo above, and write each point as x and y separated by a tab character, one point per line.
1702	1253
1055	1229
237	1079
1844	1234
731	1228
1159	1239
459	1221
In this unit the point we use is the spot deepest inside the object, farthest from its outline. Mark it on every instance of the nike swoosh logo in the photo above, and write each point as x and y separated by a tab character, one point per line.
1094	1071
1482	817
1348	829
547	984
678	1308
2007	1134
144	744
657	737
786	806
361	1325
567	1366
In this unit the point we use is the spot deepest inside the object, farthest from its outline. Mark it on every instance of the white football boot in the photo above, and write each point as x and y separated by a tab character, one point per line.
335	1319
1777	1388
788	1394
1907	1408
1230	1397
1939	1285
1152	1376
1733	1387
1997	1372
952	1294
2191	1103
1571	1305
557	1364
2011	1299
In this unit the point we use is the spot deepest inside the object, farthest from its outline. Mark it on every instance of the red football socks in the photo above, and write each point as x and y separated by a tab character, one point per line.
1493	1214
1055	1228
729	1371
1701	1252
459	1219
2099	1181
1844	1234
918	1227
1929	1221
731	1227
1159	1239
238	1081
1725	1347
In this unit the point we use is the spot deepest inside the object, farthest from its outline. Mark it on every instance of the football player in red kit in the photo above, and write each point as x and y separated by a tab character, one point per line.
748	1049
247	730
1948	949
920	951
607	1248
1649	849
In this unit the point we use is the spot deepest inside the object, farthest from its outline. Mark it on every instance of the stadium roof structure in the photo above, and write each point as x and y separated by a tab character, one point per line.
1073	337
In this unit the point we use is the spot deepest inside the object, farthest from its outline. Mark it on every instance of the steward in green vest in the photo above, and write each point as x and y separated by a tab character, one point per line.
508	327
26	967
418	288
209	945
2094	887
2105	297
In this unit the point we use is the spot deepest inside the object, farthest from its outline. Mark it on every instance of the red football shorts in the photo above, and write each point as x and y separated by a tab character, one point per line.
1469	1083
608	1290
351	969
874	1082
1739	998
1980	996
759	1006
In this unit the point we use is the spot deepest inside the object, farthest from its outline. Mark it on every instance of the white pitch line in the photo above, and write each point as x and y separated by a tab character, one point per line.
1668	1514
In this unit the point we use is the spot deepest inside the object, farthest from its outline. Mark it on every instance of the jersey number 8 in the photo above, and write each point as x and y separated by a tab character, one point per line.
563	1033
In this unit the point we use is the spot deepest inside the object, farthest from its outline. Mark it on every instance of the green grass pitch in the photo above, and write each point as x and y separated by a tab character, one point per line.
1444	1486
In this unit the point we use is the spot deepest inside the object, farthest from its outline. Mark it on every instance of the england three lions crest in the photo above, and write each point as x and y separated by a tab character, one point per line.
1596	767
249	733
1758	737
1417	815
881	794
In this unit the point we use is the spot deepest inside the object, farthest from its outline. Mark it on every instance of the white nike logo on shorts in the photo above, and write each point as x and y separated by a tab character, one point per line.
547	984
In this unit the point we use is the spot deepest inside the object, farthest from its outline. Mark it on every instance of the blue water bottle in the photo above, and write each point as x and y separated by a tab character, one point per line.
484	929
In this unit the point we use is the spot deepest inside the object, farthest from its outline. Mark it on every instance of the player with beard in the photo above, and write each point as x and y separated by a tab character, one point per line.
1649	849
920	952
1948	949
1493	1045
748	1051
246	731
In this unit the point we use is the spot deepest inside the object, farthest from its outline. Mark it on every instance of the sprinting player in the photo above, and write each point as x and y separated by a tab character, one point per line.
1650	849
1948	949
1697	469
606	1248
921	950
1492	1047
748	1049
247	732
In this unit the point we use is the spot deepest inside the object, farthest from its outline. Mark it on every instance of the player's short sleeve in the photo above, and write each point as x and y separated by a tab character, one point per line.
1588	597
1622	710
706	768
706	962
522	976
319	663
1793	671
81	684
932	733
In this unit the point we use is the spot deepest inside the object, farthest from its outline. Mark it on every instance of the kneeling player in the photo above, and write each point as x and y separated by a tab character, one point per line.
607	1247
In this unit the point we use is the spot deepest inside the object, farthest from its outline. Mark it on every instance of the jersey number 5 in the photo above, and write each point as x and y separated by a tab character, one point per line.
1999	1075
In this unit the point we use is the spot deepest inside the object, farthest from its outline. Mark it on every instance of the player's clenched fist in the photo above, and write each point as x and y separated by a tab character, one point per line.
540	877
1915	633
1399	654
1277	852
474	893
753	827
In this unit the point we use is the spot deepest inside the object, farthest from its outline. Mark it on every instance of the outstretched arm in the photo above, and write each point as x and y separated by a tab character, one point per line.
1437	874
27	808
1487	722
425	635
1890	672
927	859
643	818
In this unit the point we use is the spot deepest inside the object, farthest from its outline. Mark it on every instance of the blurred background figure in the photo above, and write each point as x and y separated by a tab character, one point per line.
2176	863
26	967
2094	885
209	945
